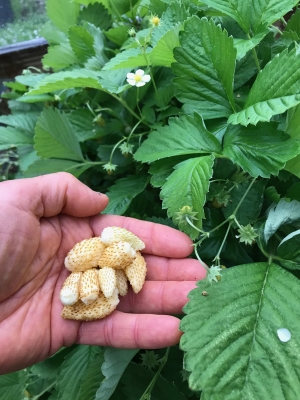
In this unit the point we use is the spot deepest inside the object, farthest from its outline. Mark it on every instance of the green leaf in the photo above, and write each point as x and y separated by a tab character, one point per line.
253	15
13	137
36	98
122	6
118	35
123	192
183	135
131	58
24	122
43	167
82	42
55	136
97	15
136	379
78	372
12	386
83	124
205	69
27	156
163	168
275	90
260	150
244	45
251	206
187	186
293	129
62	13
67	80
281	214
230	336
294	191
162	54
60	56
116	361
289	250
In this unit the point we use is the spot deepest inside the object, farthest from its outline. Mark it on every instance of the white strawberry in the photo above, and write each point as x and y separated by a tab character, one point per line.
107	280
122	285
89	287
136	272
117	256
69	293
114	234
100	308
84	255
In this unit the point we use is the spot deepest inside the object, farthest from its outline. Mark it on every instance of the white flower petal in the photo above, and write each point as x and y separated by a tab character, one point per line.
131	82
284	334
141	83
139	72
130	75
146	78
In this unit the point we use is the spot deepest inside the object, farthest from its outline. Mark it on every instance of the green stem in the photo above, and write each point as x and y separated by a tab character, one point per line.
243	198
148	66
116	10
193	226
132	130
199	259
114	149
126	106
283	21
137	102
44	391
147	392
254	54
217	258
85	163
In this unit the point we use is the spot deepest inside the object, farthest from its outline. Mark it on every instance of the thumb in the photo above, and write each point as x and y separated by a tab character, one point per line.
49	195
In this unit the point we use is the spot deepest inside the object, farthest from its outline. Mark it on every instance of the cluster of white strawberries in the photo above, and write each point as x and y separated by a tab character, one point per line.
100	268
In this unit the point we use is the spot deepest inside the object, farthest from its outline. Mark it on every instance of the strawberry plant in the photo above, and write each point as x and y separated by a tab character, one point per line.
185	113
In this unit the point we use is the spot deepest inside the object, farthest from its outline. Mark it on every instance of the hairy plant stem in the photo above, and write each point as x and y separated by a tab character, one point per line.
116	10
137	102
92	163
147	393
283	21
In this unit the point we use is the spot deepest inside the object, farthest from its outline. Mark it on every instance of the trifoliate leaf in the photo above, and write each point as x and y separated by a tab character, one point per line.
12	385
261	150
183	135
205	69
281	214
231	340
275	90
187	186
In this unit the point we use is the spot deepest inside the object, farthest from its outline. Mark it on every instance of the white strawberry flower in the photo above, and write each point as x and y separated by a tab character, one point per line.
139	78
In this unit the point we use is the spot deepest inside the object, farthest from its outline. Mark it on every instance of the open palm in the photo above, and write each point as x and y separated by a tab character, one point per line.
40	221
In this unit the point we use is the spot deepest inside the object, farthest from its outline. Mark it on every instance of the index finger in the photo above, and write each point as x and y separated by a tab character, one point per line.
160	240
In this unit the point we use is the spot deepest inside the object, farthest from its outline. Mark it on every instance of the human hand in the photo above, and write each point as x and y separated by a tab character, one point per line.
41	219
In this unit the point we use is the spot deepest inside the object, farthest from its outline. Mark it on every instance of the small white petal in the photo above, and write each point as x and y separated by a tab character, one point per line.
130	75
284	334
139	72
131	82
141	83
146	78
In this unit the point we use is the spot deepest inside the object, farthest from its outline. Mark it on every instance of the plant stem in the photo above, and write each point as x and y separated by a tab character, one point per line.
116	10
193	226
132	130
147	392
114	149
243	198
137	102
283	21
124	104
44	391
199	259
254	54
217	258
85	163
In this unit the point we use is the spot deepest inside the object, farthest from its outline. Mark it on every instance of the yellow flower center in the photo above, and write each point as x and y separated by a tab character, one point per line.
155	21
137	78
